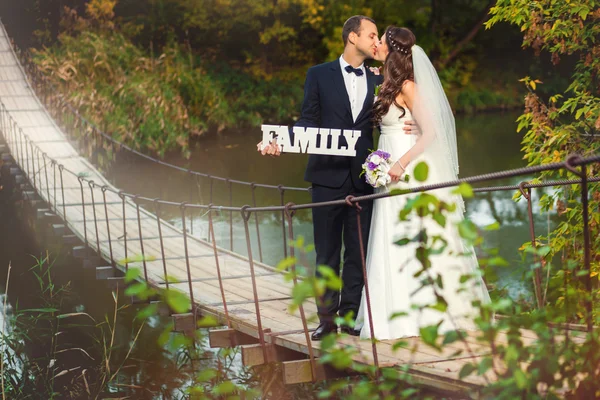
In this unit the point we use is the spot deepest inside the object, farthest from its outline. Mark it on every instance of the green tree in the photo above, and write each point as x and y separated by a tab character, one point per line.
262	37
564	123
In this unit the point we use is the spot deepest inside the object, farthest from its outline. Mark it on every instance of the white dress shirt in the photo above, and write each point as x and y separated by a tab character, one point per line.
356	87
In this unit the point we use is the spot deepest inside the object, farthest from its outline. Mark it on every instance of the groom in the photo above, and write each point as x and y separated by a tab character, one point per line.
340	94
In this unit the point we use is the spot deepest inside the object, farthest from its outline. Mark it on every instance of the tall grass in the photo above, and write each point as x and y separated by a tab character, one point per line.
37	345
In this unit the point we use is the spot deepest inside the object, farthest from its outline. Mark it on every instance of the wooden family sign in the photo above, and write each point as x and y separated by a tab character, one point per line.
338	142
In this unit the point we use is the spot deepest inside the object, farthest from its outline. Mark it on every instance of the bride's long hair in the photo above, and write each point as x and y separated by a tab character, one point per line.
397	69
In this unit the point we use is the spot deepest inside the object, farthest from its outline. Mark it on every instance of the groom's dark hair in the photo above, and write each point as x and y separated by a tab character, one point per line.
353	25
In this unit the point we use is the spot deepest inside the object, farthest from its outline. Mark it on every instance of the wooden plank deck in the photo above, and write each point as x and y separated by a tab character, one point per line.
432	368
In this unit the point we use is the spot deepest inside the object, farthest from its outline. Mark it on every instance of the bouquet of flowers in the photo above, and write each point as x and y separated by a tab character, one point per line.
376	167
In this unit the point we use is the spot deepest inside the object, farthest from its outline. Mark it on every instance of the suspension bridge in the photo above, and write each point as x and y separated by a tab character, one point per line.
247	296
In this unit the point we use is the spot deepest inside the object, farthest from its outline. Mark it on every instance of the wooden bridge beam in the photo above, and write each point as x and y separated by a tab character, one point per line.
254	355
184	323
48	216
29	195
103	273
221	338
80	251
70	239
116	283
300	371
41	213
34	200
163	308
59	229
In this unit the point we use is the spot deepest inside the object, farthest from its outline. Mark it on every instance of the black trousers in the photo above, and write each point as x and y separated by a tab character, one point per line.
332	225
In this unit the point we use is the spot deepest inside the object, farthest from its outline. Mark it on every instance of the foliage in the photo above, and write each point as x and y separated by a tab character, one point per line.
41	360
561	124
34	348
157	104
210	382
137	99
271	35
283	38
260	36
271	38
526	352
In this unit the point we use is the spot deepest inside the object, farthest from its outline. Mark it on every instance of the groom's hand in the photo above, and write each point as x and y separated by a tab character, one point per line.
411	127
271	149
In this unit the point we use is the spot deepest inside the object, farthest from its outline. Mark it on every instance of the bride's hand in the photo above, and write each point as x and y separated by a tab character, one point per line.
375	70
396	171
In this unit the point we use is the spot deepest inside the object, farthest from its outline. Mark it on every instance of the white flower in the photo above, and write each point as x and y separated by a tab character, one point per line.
375	159
372	176
384	167
381	181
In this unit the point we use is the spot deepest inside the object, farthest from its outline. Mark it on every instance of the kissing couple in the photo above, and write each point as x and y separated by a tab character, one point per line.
416	124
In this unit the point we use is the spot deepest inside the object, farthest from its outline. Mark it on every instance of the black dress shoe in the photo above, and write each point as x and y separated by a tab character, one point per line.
323	329
350	331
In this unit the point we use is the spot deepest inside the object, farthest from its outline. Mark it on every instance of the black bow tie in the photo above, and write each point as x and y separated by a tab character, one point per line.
357	71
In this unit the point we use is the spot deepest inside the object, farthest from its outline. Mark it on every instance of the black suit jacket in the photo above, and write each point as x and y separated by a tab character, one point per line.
327	105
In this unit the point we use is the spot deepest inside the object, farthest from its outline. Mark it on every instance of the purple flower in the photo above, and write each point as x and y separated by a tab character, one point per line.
372	166
382	154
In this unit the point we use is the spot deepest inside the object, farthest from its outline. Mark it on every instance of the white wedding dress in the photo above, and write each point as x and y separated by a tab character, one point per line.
391	268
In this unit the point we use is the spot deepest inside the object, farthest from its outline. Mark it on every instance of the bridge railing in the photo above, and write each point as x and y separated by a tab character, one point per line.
39	167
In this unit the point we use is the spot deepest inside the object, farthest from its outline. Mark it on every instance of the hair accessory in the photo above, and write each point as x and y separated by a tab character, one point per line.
396	46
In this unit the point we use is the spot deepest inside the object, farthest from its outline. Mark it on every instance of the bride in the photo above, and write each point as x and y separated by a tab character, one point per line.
411	89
